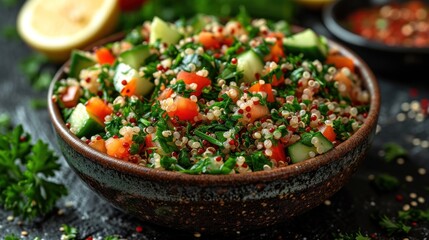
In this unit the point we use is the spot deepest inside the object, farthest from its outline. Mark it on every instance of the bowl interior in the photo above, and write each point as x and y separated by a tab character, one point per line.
365	132
334	17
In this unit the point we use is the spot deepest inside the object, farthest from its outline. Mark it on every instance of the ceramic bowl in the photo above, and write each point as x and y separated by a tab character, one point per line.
219	204
380	57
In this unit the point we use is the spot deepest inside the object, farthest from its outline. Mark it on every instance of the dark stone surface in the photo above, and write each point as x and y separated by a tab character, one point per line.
350	209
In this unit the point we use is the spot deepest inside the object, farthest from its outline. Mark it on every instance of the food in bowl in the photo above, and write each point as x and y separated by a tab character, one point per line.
206	97
396	24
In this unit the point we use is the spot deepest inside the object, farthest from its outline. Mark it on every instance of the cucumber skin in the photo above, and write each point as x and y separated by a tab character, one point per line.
296	151
308	43
78	62
83	124
136	56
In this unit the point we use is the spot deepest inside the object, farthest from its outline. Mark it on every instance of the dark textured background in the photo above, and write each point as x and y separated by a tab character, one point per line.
351	208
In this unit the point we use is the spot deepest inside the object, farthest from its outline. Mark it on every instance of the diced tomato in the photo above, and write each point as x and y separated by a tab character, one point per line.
277	82
329	132
118	147
104	56
256	112
278	153
191	77
98	108
186	109
98	144
71	96
341	61
149	141
263	88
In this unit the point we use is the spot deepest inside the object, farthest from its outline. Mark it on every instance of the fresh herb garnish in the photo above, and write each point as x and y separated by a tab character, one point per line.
11	237
352	236
386	182
69	233
393	151
24	169
392	226
33	69
10	33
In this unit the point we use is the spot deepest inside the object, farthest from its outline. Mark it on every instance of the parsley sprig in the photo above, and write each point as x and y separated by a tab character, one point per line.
24	172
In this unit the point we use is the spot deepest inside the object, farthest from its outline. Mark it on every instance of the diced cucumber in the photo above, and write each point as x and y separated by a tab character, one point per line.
79	61
82	124
324	144
163	31
124	72
308	43
299	151
136	56
250	64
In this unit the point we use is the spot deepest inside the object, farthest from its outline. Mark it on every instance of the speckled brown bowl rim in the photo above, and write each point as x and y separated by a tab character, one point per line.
223	180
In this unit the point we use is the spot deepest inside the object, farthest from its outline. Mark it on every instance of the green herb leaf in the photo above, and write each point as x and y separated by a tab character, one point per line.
11	237
208	138
352	236
257	161
10	33
393	227
386	182
69	233
393	151
24	169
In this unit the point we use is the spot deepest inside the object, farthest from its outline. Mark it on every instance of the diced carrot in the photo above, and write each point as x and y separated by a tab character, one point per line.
166	93
341	61
191	77
118	148
104	56
98	108
209	40
71	97
185	109
98	144
130	89
263	88
329	132
340	77
278	153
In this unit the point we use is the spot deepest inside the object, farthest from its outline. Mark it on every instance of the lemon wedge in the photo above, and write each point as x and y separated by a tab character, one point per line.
55	27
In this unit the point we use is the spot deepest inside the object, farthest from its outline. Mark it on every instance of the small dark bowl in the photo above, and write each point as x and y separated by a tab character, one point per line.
382	58
219	204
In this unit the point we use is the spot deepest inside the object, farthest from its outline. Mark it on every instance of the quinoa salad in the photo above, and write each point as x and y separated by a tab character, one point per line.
204	96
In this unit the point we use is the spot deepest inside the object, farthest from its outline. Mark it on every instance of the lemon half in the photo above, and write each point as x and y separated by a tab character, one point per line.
55	27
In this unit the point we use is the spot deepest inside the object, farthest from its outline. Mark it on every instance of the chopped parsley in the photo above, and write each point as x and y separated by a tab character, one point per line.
24	169
386	182
393	151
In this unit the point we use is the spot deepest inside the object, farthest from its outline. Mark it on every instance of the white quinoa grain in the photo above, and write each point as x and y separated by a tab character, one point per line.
409	178
421	171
